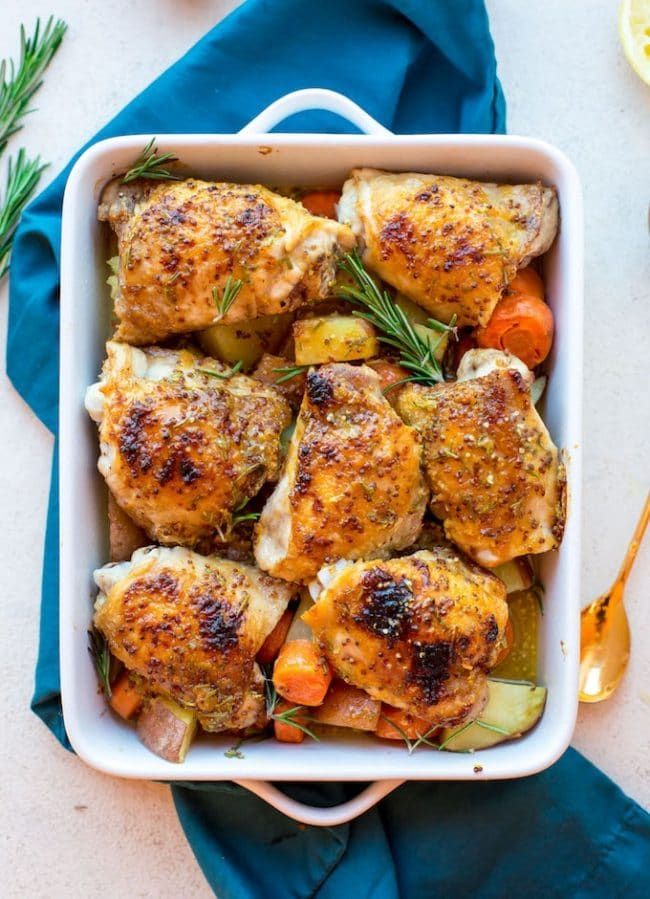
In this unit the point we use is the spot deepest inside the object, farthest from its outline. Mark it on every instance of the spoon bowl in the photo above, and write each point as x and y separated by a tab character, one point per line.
605	631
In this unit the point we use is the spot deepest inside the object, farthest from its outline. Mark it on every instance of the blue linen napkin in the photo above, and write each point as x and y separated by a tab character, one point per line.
417	67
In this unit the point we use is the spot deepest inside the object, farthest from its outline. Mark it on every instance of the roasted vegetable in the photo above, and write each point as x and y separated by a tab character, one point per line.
347	706
167	729
517	574
289	379
333	338
511	710
521	662
396	724
126	696
301	673
245	341
275	640
124	536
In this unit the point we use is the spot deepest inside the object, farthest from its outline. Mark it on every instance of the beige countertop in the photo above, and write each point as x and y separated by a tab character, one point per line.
69	831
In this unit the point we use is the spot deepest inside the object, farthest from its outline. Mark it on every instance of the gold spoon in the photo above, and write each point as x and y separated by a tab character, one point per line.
604	630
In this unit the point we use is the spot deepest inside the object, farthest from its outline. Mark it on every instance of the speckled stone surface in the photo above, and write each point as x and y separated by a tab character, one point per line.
68	831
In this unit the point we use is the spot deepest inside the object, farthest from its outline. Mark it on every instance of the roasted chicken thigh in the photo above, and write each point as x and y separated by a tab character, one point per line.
351	486
191	626
180	241
494	473
419	632
450	245
183	443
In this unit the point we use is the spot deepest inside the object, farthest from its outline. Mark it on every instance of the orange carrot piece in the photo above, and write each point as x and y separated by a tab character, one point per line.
322	202
301	673
126	700
389	373
521	324
507	646
395	724
273	643
527	281
287	733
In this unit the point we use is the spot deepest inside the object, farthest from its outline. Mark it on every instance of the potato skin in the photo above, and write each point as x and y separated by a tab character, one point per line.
167	729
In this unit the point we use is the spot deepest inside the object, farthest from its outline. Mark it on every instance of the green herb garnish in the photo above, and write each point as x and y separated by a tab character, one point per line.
22	178
223	301
101	656
223	375
417	352
289	372
19	83
289	715
149	164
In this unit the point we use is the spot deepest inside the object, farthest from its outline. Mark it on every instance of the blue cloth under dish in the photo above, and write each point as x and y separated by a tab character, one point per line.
417	67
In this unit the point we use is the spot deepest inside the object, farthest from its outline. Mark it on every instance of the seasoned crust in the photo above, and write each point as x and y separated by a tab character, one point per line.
351	487
419	632
191	626
492	468
178	241
450	244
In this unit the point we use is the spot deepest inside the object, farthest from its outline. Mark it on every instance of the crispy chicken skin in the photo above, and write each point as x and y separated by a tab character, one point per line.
181	449
179	240
493	470
449	244
191	625
352	485
419	632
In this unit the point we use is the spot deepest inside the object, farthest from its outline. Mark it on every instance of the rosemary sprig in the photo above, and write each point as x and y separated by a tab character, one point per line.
239	515
223	375
101	656
289	372
149	164
18	84
417	352
223	301
289	715
22	178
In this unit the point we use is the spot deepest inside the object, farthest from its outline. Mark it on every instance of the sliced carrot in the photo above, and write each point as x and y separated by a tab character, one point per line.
395	724
348	706
284	732
126	700
527	281
273	643
507	646
301	673
521	324
322	202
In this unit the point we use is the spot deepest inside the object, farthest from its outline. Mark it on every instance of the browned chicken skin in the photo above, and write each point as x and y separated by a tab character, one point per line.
449	244
191	625
494	473
179	241
351	486
419	632
180	448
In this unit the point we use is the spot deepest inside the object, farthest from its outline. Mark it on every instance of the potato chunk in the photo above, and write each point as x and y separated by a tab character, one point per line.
333	338
167	729
348	706
247	341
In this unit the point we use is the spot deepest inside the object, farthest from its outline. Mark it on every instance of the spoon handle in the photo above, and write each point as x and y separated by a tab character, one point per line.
635	543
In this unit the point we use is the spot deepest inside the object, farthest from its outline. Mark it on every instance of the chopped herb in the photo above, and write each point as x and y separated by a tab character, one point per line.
223	375
149	165
291	371
101	656
224	301
417	352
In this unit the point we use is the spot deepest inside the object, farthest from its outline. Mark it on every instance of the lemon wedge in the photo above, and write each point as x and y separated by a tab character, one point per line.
634	29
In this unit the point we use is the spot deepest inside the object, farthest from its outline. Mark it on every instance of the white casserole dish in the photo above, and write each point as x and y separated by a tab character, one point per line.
307	159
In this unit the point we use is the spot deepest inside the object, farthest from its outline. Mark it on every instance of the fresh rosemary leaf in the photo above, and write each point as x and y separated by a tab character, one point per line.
23	176
223	301
417	350
223	375
101	656
150	165
245	516
291	371
19	83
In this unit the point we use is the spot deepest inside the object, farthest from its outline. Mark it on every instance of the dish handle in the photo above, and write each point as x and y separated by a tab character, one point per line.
314	98
321	817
